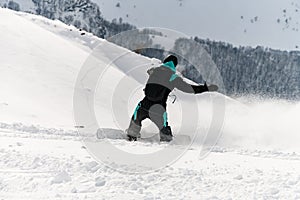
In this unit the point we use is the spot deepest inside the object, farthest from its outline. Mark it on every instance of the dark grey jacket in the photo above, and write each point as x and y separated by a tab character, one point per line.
162	80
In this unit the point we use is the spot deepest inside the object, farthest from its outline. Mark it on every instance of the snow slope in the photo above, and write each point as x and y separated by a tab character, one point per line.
42	157
33	64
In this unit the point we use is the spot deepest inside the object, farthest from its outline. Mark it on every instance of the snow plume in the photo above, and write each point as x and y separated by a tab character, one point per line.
271	124
248	123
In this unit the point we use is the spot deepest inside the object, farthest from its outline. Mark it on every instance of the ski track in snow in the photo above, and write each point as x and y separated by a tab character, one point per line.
38	162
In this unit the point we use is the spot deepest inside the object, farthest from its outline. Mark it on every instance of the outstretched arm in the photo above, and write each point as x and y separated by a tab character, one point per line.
180	84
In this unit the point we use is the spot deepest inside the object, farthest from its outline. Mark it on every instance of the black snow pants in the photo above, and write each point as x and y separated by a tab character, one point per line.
155	111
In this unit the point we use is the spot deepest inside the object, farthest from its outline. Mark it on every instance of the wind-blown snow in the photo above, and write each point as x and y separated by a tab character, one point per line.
43	158
263	124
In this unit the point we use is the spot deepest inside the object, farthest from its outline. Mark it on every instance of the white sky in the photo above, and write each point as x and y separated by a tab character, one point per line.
216	19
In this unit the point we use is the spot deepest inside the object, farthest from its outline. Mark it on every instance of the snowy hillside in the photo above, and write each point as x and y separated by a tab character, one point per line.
268	23
84	14
42	157
242	23
34	62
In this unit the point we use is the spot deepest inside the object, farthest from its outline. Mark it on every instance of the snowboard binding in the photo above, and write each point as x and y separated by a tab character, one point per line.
131	135
131	138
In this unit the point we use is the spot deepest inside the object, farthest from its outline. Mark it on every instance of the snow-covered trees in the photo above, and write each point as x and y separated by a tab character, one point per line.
246	70
13	5
82	14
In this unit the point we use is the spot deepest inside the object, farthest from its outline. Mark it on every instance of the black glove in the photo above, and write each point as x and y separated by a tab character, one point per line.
200	88
213	88
204	88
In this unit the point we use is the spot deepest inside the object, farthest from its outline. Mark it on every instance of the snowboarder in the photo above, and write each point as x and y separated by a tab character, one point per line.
162	80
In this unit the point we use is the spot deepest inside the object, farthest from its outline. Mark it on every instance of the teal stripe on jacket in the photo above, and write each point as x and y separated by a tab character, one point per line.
172	67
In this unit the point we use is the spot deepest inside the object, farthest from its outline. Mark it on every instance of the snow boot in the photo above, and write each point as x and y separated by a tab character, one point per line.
166	134
133	132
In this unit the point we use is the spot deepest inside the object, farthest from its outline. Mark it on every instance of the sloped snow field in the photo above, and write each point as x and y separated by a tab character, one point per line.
43	157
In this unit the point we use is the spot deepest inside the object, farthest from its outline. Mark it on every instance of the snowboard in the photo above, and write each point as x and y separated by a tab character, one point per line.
117	134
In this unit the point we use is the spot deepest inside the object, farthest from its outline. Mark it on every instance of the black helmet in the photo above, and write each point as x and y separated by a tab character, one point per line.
171	58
